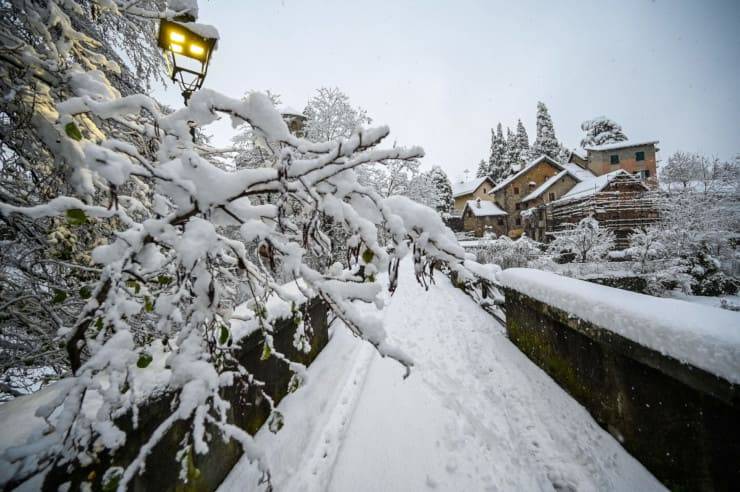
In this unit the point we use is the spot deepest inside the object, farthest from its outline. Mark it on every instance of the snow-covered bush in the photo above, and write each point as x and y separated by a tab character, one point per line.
645	245
509	253
586	240
160	297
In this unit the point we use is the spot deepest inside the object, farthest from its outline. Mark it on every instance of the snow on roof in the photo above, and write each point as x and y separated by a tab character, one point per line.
544	186
578	172
577	153
468	187
621	145
702	336
591	186
286	110
483	208
526	168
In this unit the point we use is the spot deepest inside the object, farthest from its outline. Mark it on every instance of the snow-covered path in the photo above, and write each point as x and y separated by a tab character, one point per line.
475	414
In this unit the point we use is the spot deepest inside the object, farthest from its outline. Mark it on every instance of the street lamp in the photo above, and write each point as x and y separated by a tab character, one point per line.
190	46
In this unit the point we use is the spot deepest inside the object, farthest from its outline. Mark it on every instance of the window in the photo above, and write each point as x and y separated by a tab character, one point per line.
614	159
639	156
647	173
500	221
552	196
516	190
484	188
518	221
518	206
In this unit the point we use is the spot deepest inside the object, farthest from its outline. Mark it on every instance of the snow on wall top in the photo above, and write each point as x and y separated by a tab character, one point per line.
526	168
620	145
468	187
483	208
705	337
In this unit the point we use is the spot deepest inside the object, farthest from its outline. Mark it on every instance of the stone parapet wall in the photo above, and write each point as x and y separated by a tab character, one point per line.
679	421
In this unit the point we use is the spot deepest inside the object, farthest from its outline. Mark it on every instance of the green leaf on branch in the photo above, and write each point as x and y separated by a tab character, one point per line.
265	351
144	360
59	296
223	335
72	131
76	217
148	304
367	256
164	280
85	292
133	284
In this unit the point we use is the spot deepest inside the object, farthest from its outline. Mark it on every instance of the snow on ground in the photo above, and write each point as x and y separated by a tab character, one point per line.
475	414
705	337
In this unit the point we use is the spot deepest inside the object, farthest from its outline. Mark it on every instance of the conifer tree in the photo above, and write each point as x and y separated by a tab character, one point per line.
545	143
497	165
513	153
522	141
483	169
601	130
443	188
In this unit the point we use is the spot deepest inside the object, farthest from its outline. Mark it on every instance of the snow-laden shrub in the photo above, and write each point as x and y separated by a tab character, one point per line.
509	253
586	241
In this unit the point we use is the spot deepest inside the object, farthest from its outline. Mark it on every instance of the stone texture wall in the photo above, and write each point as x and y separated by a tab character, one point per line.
679	421
248	411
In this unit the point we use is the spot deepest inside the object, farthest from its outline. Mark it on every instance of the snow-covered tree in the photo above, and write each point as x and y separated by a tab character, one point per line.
483	169
587	240
161	282
442	188
546	143
45	269
331	115
601	130
645	245
522	142
513	152
497	164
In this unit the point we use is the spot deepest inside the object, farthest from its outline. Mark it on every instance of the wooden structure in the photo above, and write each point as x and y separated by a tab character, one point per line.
619	201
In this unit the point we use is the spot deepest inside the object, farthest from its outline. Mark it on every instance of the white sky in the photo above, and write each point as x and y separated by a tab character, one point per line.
441	74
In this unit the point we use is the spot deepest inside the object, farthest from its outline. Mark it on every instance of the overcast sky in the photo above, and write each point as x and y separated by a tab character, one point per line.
442	73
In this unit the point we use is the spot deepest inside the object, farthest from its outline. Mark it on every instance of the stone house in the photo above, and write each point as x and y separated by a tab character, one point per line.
638	158
464	191
508	193
534	223
481	216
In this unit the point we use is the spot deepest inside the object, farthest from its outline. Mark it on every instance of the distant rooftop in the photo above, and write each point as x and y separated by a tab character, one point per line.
468	187
483	208
621	145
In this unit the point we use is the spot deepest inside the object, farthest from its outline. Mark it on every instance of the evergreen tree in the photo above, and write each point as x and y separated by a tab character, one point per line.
545	143
497	164
522	141
483	169
601	130
513	153
443	188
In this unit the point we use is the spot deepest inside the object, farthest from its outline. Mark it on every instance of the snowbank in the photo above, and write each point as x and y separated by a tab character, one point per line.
705	337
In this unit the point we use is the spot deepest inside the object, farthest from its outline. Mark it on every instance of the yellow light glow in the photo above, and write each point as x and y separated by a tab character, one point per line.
177	48
196	49
177	37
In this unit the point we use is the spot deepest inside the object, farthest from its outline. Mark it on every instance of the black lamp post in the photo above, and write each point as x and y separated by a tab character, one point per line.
190	47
